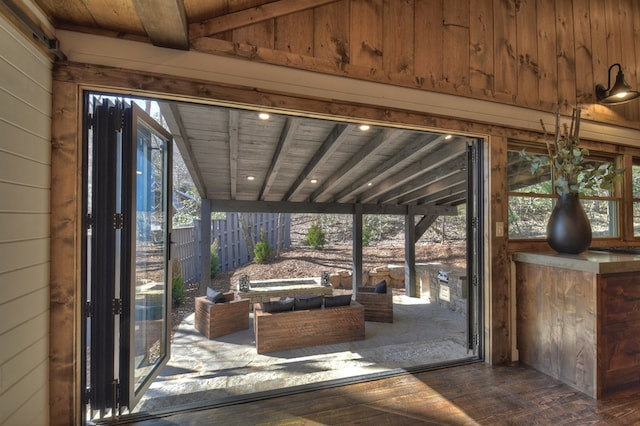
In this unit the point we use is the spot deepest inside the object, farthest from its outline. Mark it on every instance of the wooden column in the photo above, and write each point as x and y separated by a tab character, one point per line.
357	247
65	300
205	246
410	253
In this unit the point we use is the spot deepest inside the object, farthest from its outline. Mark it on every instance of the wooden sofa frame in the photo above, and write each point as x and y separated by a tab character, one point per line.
378	307
299	329
218	319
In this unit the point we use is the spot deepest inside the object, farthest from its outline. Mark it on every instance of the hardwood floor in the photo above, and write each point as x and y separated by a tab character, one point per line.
464	395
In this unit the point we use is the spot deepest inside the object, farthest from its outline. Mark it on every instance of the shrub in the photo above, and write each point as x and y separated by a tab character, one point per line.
262	251
315	236
215	260
177	284
366	235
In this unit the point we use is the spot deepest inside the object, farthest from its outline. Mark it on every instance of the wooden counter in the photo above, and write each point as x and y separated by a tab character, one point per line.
578	318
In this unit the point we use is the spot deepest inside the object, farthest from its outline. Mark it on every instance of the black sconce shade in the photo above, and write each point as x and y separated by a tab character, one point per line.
620	93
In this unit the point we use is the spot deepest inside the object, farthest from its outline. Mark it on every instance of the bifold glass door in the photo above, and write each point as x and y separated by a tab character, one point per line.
126	256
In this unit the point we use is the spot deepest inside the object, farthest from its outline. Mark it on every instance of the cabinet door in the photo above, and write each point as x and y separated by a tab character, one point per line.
619	337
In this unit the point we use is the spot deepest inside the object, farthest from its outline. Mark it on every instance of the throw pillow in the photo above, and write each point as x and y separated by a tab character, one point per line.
278	305
334	301
214	296
381	287
307	302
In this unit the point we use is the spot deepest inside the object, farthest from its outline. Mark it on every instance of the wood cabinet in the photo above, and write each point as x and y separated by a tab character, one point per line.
578	318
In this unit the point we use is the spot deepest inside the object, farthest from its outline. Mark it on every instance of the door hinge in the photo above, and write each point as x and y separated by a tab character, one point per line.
89	221
87	395
118	221
474	222
115	388
475	339
91	121
116	306
88	309
474	280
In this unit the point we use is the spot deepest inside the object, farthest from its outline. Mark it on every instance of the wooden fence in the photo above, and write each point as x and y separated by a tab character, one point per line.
232	246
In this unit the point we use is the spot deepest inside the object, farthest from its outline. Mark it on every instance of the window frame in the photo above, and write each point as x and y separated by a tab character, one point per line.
617	197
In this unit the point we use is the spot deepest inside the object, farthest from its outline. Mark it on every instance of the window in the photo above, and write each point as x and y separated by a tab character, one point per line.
635	185
532	197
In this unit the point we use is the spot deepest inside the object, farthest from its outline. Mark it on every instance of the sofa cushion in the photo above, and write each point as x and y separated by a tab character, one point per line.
215	296
307	302
278	305
381	287
339	300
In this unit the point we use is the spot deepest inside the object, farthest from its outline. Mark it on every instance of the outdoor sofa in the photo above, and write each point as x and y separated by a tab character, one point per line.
307	326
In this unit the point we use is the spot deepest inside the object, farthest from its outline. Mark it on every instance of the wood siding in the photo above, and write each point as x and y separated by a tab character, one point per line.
25	169
538	54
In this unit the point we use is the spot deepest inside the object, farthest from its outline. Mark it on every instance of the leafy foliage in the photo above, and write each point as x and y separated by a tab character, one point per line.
366	235
215	260
315	236
572	171
177	284
262	250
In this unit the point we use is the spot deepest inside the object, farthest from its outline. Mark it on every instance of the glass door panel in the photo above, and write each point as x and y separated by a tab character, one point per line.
150	267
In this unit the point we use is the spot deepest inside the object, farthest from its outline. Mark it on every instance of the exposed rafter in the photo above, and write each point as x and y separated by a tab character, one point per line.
413	150
350	167
435	187
427	179
252	16
330	144
441	196
165	22
286	137
438	158
174	121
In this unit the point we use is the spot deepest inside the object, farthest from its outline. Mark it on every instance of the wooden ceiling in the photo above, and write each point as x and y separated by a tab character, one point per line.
291	158
168	23
233	155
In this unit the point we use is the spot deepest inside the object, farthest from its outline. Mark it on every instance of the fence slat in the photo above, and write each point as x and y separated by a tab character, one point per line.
232	247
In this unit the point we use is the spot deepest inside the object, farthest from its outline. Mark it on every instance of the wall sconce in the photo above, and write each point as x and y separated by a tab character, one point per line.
620	93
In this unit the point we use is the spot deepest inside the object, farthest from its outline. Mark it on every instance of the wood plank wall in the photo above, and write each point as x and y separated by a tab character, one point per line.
25	168
539	54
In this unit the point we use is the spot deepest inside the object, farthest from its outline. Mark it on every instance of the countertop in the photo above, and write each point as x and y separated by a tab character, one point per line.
596	262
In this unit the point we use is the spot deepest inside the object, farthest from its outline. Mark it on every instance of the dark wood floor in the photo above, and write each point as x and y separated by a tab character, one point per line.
463	395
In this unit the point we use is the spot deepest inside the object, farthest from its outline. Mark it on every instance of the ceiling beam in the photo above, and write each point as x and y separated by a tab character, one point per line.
235	206
165	22
286	138
441	196
251	16
435	187
453	167
415	149
171	114
383	138
233	151
331	143
445	153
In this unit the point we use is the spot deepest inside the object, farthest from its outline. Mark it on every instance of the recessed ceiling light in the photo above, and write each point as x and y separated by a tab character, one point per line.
263	116
448	137
370	183
364	127
314	180
251	177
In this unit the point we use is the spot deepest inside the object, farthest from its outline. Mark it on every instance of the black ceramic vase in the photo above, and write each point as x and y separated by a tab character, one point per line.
569	230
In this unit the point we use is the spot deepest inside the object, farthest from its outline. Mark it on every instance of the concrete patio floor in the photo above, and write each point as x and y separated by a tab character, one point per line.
202	370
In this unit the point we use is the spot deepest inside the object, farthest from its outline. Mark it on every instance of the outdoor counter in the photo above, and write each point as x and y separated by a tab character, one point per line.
578	318
595	262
